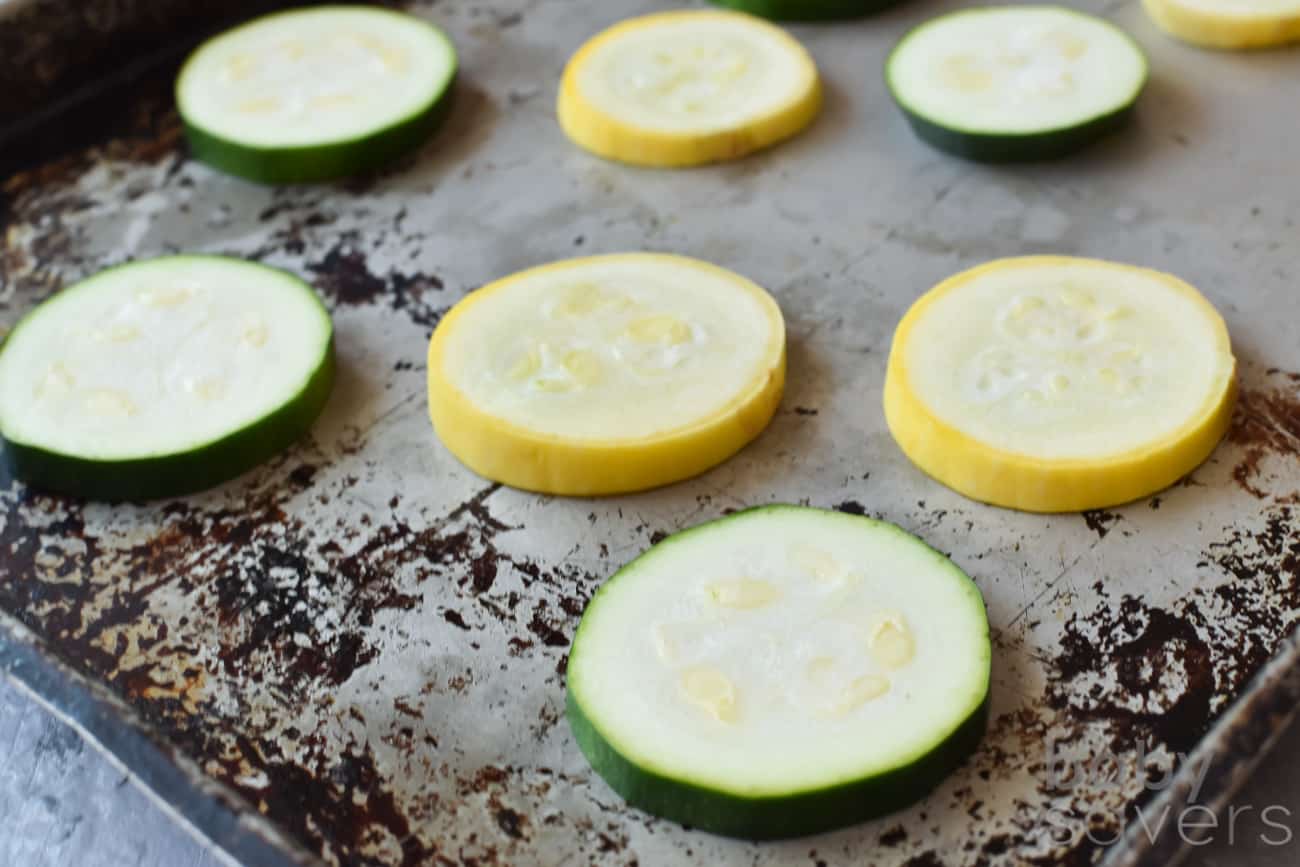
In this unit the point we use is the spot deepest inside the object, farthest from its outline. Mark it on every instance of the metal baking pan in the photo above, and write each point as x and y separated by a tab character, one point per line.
356	654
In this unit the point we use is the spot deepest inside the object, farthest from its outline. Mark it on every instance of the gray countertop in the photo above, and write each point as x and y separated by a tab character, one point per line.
63	804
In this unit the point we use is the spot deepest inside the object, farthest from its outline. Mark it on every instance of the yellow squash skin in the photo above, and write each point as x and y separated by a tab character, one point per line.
1017	481
611	138
1226	31
504	452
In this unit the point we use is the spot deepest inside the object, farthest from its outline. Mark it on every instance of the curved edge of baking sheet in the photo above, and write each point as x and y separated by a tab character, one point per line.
1239	739
215	815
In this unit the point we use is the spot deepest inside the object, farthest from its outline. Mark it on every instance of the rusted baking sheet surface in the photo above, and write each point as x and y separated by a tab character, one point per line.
367	643
67	68
50	46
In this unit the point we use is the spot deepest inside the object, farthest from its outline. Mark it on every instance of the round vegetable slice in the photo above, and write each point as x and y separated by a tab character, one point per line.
1010	83
314	94
779	672
685	88
807	10
1057	384
606	374
163	377
1228	23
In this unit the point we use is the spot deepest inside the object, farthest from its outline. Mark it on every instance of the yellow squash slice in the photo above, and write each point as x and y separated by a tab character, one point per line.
1056	384
1228	23
685	88
606	374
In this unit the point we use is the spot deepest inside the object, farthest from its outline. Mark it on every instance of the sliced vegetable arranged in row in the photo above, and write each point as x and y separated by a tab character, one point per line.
163	377
606	374
1057	384
808	10
685	88
779	672
1228	23
315	94
1016	82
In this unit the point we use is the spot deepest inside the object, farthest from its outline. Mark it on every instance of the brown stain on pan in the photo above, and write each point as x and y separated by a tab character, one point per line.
1266	426
255	571
1144	676
345	279
258	581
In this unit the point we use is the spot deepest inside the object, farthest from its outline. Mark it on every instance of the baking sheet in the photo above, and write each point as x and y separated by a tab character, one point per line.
361	646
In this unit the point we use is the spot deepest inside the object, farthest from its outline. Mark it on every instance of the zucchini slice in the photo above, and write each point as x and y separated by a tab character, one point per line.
685	88
1228	23
780	672
163	377
606	374
1055	384
807	10
315	94
1009	83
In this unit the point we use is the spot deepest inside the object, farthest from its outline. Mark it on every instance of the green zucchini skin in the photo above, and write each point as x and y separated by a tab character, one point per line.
808	10
1002	147
323	162
797	814
181	473
1022	147
771	818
